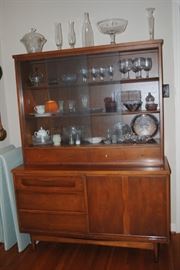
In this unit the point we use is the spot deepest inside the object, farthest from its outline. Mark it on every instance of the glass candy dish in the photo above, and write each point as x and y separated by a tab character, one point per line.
112	27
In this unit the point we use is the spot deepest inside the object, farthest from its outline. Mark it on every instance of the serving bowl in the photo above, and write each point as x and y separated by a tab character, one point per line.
112	27
132	106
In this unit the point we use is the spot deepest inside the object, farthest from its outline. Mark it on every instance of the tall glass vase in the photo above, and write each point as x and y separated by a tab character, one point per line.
150	15
71	34
58	35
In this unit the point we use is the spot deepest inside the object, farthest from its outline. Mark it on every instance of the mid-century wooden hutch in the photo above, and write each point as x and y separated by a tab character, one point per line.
114	190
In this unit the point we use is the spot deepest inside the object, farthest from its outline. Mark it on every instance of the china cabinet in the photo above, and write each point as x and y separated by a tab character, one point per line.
105	180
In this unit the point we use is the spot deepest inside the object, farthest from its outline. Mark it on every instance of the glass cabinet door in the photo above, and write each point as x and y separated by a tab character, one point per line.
94	99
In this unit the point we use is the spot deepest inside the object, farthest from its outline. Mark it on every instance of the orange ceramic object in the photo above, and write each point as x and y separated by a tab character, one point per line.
51	106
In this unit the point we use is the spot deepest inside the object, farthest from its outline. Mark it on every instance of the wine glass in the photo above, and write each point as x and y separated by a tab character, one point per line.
58	35
138	66
84	73
128	66
122	67
102	73
71	34
95	73
147	66
110	71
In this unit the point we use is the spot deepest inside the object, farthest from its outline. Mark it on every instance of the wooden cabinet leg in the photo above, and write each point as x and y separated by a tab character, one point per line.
33	244
156	252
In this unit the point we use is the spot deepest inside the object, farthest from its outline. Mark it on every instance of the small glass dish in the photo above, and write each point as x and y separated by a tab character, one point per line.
112	27
94	140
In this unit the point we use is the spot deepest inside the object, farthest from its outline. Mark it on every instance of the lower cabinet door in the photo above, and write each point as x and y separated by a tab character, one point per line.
105	204
129	205
148	205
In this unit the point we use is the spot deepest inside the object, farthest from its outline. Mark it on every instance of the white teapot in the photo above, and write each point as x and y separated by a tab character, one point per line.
41	133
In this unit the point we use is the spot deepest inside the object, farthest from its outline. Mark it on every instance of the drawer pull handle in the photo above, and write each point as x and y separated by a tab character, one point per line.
48	183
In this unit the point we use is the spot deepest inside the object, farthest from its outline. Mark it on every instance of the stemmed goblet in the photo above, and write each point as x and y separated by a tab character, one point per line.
122	67
84	73
138	66
128	66
95	73
102	73
110	71
147	66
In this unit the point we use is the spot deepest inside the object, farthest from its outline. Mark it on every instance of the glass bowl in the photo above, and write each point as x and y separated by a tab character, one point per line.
94	140
112	27
132	106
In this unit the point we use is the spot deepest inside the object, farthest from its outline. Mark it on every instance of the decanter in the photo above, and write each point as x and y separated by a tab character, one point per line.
87	32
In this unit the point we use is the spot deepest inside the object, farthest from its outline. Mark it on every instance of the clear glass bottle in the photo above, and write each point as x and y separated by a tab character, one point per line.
87	32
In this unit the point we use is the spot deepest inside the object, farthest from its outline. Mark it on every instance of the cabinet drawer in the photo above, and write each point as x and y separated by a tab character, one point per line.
52	222
49	183
54	202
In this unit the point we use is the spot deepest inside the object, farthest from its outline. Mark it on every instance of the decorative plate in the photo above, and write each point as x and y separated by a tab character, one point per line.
145	125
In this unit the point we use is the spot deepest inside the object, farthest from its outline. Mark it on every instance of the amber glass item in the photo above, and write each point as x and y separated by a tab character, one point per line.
51	106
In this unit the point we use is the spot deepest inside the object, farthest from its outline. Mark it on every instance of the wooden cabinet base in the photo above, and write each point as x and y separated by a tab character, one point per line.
126	244
99	205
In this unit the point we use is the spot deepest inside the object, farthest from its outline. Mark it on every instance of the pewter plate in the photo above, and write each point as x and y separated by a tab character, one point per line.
145	125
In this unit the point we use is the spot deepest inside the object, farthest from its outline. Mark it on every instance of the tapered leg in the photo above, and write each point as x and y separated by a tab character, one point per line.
156	252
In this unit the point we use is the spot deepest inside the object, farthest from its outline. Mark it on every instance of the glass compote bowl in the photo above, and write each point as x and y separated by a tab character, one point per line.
112	27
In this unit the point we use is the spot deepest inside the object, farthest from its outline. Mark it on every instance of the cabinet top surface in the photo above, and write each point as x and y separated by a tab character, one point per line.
136	45
97	169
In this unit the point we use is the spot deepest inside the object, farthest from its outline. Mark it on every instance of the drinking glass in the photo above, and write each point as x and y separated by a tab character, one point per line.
147	66
58	35
84	102
72	106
